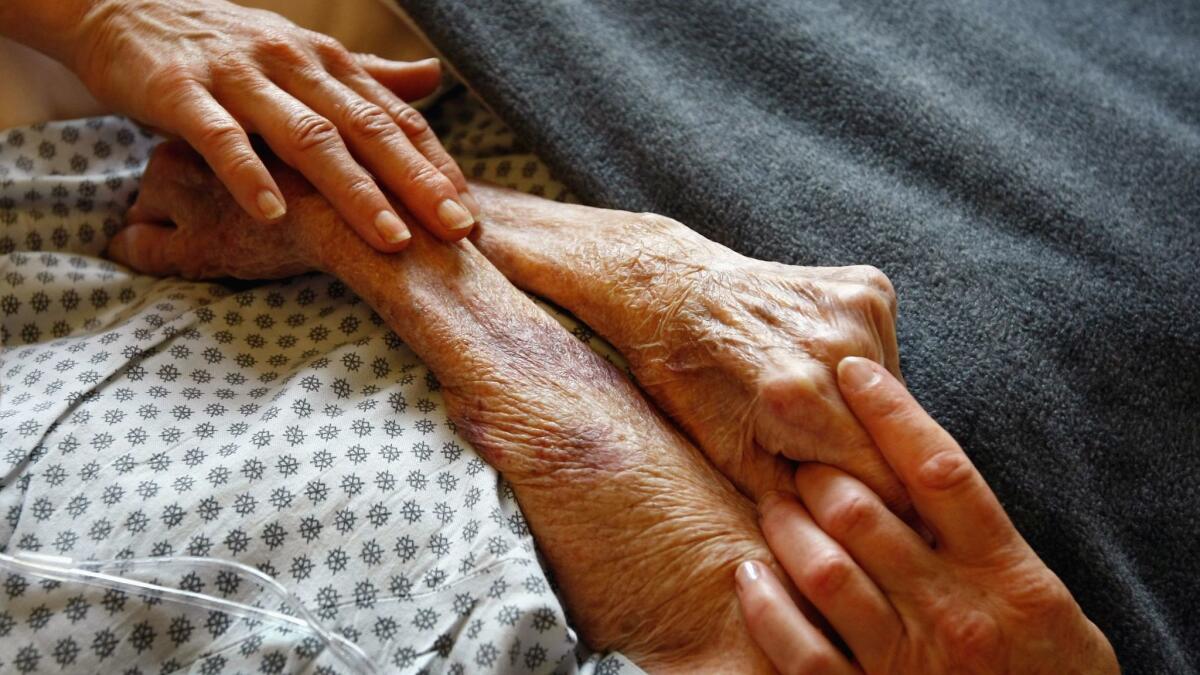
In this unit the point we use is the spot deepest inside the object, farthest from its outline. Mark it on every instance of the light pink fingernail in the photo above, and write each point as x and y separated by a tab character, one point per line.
269	205
391	228
748	572
858	373
455	216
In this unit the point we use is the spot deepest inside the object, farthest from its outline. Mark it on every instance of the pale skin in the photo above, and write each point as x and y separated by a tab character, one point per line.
577	440
975	600
213	73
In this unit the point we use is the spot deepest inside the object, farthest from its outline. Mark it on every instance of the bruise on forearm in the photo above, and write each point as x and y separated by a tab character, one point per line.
532	399
641	531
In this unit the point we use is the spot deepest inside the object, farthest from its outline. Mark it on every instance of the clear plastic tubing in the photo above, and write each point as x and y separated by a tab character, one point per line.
95	573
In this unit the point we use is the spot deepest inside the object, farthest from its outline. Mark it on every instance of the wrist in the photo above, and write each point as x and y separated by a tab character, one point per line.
56	29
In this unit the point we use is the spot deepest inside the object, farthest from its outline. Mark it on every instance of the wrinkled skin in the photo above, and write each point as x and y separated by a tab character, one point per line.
977	600
739	352
213	72
641	532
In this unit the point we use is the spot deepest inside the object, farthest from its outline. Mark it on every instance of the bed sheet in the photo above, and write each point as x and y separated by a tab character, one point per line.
278	425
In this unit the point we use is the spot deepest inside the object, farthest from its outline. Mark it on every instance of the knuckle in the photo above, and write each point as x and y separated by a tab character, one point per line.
225	145
655	223
367	120
892	410
279	46
972	636
172	83
446	165
220	136
361	190
424	176
238	162
946	470
411	120
395	109
875	278
1041	597
332	53
229	65
307	131
879	306
850	515
867	299
826	575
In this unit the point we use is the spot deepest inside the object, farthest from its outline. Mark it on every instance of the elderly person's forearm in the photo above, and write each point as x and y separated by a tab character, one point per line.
641	532
739	352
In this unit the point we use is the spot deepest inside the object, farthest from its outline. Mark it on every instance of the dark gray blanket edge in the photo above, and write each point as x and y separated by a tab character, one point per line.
1027	173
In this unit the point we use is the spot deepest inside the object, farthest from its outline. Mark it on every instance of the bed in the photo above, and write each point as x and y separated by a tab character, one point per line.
262	476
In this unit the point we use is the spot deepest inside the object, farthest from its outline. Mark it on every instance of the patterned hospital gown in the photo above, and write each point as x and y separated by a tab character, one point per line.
279	425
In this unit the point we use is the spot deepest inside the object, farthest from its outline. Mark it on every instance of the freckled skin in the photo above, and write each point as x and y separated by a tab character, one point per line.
740	353
640	530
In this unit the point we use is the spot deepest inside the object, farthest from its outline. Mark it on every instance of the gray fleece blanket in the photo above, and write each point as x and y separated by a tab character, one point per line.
1028	174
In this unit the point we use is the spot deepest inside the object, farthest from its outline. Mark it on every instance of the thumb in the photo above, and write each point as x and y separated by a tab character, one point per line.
410	80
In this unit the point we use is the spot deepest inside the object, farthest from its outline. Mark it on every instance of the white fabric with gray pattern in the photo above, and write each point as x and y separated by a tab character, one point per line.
281	426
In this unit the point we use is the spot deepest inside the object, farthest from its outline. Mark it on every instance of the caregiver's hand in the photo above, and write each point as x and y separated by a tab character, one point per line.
978	601
213	72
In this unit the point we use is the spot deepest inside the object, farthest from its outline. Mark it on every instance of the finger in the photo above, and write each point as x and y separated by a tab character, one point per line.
830	579
419	133
216	135
383	146
948	492
803	417
791	643
144	248
410	80
311	143
176	187
415	127
867	275
890	552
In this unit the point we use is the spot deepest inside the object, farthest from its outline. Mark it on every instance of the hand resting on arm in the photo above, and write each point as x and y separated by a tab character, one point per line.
641	532
213	72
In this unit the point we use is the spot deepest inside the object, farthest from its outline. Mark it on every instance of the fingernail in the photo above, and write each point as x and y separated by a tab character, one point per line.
269	205
858	373
391	228
470	203
748	572
454	215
